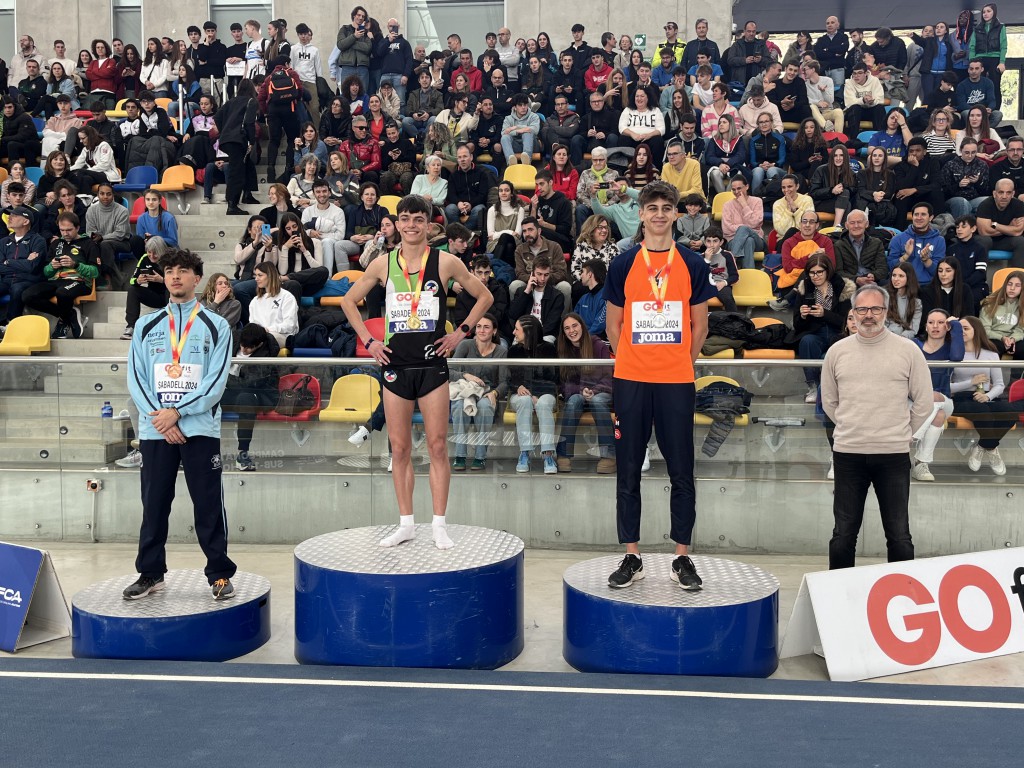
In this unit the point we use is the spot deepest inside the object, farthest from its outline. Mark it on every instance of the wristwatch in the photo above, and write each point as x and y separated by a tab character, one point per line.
464	328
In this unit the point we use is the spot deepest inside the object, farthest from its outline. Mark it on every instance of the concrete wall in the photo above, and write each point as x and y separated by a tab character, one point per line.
77	23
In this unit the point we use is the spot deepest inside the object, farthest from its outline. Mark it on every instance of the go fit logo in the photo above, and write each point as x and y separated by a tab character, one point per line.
930	623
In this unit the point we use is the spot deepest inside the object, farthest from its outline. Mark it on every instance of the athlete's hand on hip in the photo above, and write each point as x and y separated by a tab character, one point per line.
381	355
447	343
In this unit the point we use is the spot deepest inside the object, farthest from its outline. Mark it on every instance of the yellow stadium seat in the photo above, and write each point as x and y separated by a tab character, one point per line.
719	203
178	180
25	335
706	421
754	288
522	177
725	354
81	299
390	202
354	398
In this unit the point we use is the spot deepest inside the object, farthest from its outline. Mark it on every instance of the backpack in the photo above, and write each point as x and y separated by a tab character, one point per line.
281	88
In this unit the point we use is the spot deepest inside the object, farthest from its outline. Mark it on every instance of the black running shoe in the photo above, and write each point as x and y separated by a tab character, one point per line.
684	573
630	569
223	589
143	587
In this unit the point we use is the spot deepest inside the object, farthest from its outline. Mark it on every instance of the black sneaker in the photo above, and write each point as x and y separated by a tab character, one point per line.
143	587
684	573
60	331
630	569
223	589
250	200
78	323
244	462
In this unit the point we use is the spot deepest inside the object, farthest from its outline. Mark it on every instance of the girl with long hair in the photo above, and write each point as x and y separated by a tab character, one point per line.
297	255
564	178
680	108
252	248
491	378
273	308
978	128
809	150
280	204
641	170
55	169
1002	316
335	122
944	340
58	82
820	314
988	45
130	68
534	82
978	394
584	388
724	154
939	135
833	186
308	143
505	223
82	67
548	55
532	389
875	189
905	308
16	173
947	290
156	69
96	163
219	297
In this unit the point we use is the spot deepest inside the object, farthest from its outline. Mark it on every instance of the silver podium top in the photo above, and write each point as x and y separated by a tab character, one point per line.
186	593
726	582
356	550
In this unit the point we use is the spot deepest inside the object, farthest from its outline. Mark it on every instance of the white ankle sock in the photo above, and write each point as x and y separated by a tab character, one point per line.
440	529
406	531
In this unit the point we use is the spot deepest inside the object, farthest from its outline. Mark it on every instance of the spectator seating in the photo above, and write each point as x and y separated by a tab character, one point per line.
375	326
390	202
178	180
25	335
287	381
139	179
335	301
354	398
699	419
753	289
139	208
1000	276
522	177
768	353
81	299
34	173
1000	255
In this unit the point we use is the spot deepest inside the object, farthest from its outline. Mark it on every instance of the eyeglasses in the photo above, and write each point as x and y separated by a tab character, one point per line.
674	154
862	311
814	272
808	221
602	226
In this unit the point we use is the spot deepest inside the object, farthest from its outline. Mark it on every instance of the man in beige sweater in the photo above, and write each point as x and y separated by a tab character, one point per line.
866	382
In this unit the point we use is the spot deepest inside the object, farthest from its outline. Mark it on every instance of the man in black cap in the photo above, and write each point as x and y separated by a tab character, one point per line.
212	55
22	258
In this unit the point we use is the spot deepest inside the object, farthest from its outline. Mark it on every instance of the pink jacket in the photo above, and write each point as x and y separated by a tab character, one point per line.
736	214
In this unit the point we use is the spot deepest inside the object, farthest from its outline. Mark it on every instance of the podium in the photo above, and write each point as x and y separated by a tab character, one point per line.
182	622
729	628
360	604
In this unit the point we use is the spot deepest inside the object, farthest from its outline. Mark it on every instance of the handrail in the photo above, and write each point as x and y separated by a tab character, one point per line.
355	362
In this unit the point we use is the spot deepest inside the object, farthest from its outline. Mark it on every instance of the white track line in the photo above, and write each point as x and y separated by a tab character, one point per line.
513	689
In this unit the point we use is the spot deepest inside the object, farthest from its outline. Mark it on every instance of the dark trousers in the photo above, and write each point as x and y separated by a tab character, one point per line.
280	121
1015	245
241	173
201	459
109	248
890	475
65	291
85	179
15	289
154	296
906	204
857	113
669	409
992	419
247	404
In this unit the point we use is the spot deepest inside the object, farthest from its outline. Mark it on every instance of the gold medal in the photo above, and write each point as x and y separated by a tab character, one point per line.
173	370
414	322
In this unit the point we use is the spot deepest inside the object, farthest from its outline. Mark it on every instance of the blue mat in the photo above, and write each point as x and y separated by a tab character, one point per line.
102	713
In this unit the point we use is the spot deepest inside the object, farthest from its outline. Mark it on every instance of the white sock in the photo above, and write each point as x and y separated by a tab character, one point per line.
406	531
440	529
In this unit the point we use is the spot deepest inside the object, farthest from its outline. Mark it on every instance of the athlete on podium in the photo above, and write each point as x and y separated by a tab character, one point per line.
657	321
414	354
177	370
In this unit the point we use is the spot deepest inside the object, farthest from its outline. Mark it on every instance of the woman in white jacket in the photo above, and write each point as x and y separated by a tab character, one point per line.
156	69
643	123
273	307
96	162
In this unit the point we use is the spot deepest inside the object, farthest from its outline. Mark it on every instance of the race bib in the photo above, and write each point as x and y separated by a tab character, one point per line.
174	381
649	326
234	70
400	310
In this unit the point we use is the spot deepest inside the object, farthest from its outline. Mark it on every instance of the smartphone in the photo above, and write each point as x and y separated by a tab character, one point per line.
393	29
602	185
266	230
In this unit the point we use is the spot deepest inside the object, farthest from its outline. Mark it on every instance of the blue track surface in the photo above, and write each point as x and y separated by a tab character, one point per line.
73	713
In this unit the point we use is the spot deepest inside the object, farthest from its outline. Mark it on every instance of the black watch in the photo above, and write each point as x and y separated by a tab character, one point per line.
464	328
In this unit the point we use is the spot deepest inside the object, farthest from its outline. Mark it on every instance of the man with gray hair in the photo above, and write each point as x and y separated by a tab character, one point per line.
866	381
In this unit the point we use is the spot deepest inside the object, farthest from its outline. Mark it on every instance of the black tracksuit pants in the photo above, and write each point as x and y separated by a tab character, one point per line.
669	409
201	459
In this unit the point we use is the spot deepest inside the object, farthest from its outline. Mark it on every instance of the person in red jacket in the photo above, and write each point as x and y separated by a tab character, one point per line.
597	73
103	74
362	152
469	69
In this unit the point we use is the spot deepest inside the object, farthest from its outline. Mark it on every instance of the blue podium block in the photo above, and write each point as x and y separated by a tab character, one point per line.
360	604
182	622
730	628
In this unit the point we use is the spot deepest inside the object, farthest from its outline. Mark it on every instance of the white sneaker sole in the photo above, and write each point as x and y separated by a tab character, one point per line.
639	576
155	588
673	578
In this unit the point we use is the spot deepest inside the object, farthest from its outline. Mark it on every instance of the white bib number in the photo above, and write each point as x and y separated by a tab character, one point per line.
400	310
171	389
649	326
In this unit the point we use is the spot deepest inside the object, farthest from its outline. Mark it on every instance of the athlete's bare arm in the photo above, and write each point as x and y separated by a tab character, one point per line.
374	275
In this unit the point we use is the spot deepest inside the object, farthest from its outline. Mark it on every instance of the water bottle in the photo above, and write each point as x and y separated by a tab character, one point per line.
106	424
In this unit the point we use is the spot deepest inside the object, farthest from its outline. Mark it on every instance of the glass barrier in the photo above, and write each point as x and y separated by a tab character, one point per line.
306	449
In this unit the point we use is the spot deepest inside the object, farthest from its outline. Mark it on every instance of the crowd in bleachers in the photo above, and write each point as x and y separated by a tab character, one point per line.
836	163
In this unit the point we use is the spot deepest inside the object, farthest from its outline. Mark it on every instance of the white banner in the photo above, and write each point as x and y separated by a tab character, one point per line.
886	619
